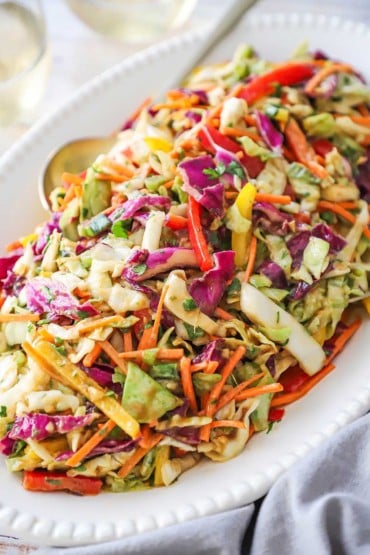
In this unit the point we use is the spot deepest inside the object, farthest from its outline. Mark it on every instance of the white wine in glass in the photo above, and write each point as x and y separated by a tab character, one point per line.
24	59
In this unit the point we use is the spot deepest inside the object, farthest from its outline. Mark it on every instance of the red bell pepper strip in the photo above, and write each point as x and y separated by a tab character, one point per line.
287	74
301	149
209	134
35	480
293	379
175	222
196	236
322	146
275	415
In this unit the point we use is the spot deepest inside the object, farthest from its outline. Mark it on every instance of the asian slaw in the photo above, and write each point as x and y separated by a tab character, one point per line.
190	283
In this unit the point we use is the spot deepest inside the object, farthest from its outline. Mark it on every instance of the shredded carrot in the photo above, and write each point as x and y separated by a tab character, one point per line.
113	355
251	258
44	334
251	431
150	339
13	246
180	104
288	154
114	177
146	435
301	149
138	455
162	354
288	398
223	314
120	169
71	179
211	367
231	194
324	205
234	132
259	390
225	373
72	192
24	317
278	199
187	383
361	120
250	120
364	111
169	184
230	395
127	341
91	357
366	141
87	447
198	366
227	423
324	73
347	205
343	338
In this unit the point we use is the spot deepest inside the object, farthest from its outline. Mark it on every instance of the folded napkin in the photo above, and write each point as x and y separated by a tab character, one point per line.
321	506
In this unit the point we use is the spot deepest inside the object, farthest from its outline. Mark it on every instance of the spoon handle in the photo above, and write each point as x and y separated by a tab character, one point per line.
223	25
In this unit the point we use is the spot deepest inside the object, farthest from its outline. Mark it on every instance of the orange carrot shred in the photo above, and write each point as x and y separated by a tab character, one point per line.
251	258
343	338
149	338
187	383
223	314
259	390
87	447
278	199
13	246
127	341
138	455
114	355
337	209
91	357
227	423
235	132
23	317
162	354
230	395
324	73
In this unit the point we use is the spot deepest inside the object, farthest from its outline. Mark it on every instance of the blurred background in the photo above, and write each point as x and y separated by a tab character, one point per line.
82	38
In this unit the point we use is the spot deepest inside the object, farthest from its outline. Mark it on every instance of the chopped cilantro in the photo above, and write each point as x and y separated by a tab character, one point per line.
61	350
189	304
139	269
3	411
193	331
18	449
120	228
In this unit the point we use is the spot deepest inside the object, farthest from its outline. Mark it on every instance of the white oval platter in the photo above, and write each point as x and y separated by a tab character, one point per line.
97	109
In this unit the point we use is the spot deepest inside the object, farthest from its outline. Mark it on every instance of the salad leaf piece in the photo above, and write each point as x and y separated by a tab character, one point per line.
96	196
336	242
272	137
270	219
45	295
208	289
254	149
275	273
144	398
39	426
204	188
157	262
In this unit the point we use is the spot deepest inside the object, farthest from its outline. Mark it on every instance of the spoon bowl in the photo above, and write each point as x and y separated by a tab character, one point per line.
73	157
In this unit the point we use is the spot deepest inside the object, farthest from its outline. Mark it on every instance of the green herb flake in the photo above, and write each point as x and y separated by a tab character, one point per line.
120	228
234	287
235	169
54	482
18	449
61	350
193	331
189	304
139	269
3	411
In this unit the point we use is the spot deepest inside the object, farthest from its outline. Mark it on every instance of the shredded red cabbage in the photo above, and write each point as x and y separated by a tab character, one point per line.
47	230
206	190
272	137
297	245
363	177
275	273
207	290
211	352
336	242
143	265
270	219
6	445
7	263
39	426
45	296
129	208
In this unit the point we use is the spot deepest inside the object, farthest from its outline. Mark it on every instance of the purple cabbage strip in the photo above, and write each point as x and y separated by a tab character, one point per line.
297	245
270	363
300	290
187	434
47	230
202	95
157	262
7	445
207	290
211	352
206	190
45	296
363	177
271	219
39	426
193	116
107	446
129	208
336	242
103	374
272	137
7	263
275	273
181	410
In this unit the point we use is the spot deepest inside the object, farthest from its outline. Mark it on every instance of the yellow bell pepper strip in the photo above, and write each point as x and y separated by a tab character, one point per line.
285	74
196	236
59	367
366	303
156	143
240	241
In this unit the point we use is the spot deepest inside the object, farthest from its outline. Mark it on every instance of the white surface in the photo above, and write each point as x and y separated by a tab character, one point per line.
61	519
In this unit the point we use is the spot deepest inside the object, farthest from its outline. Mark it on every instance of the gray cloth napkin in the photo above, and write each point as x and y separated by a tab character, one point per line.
321	506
